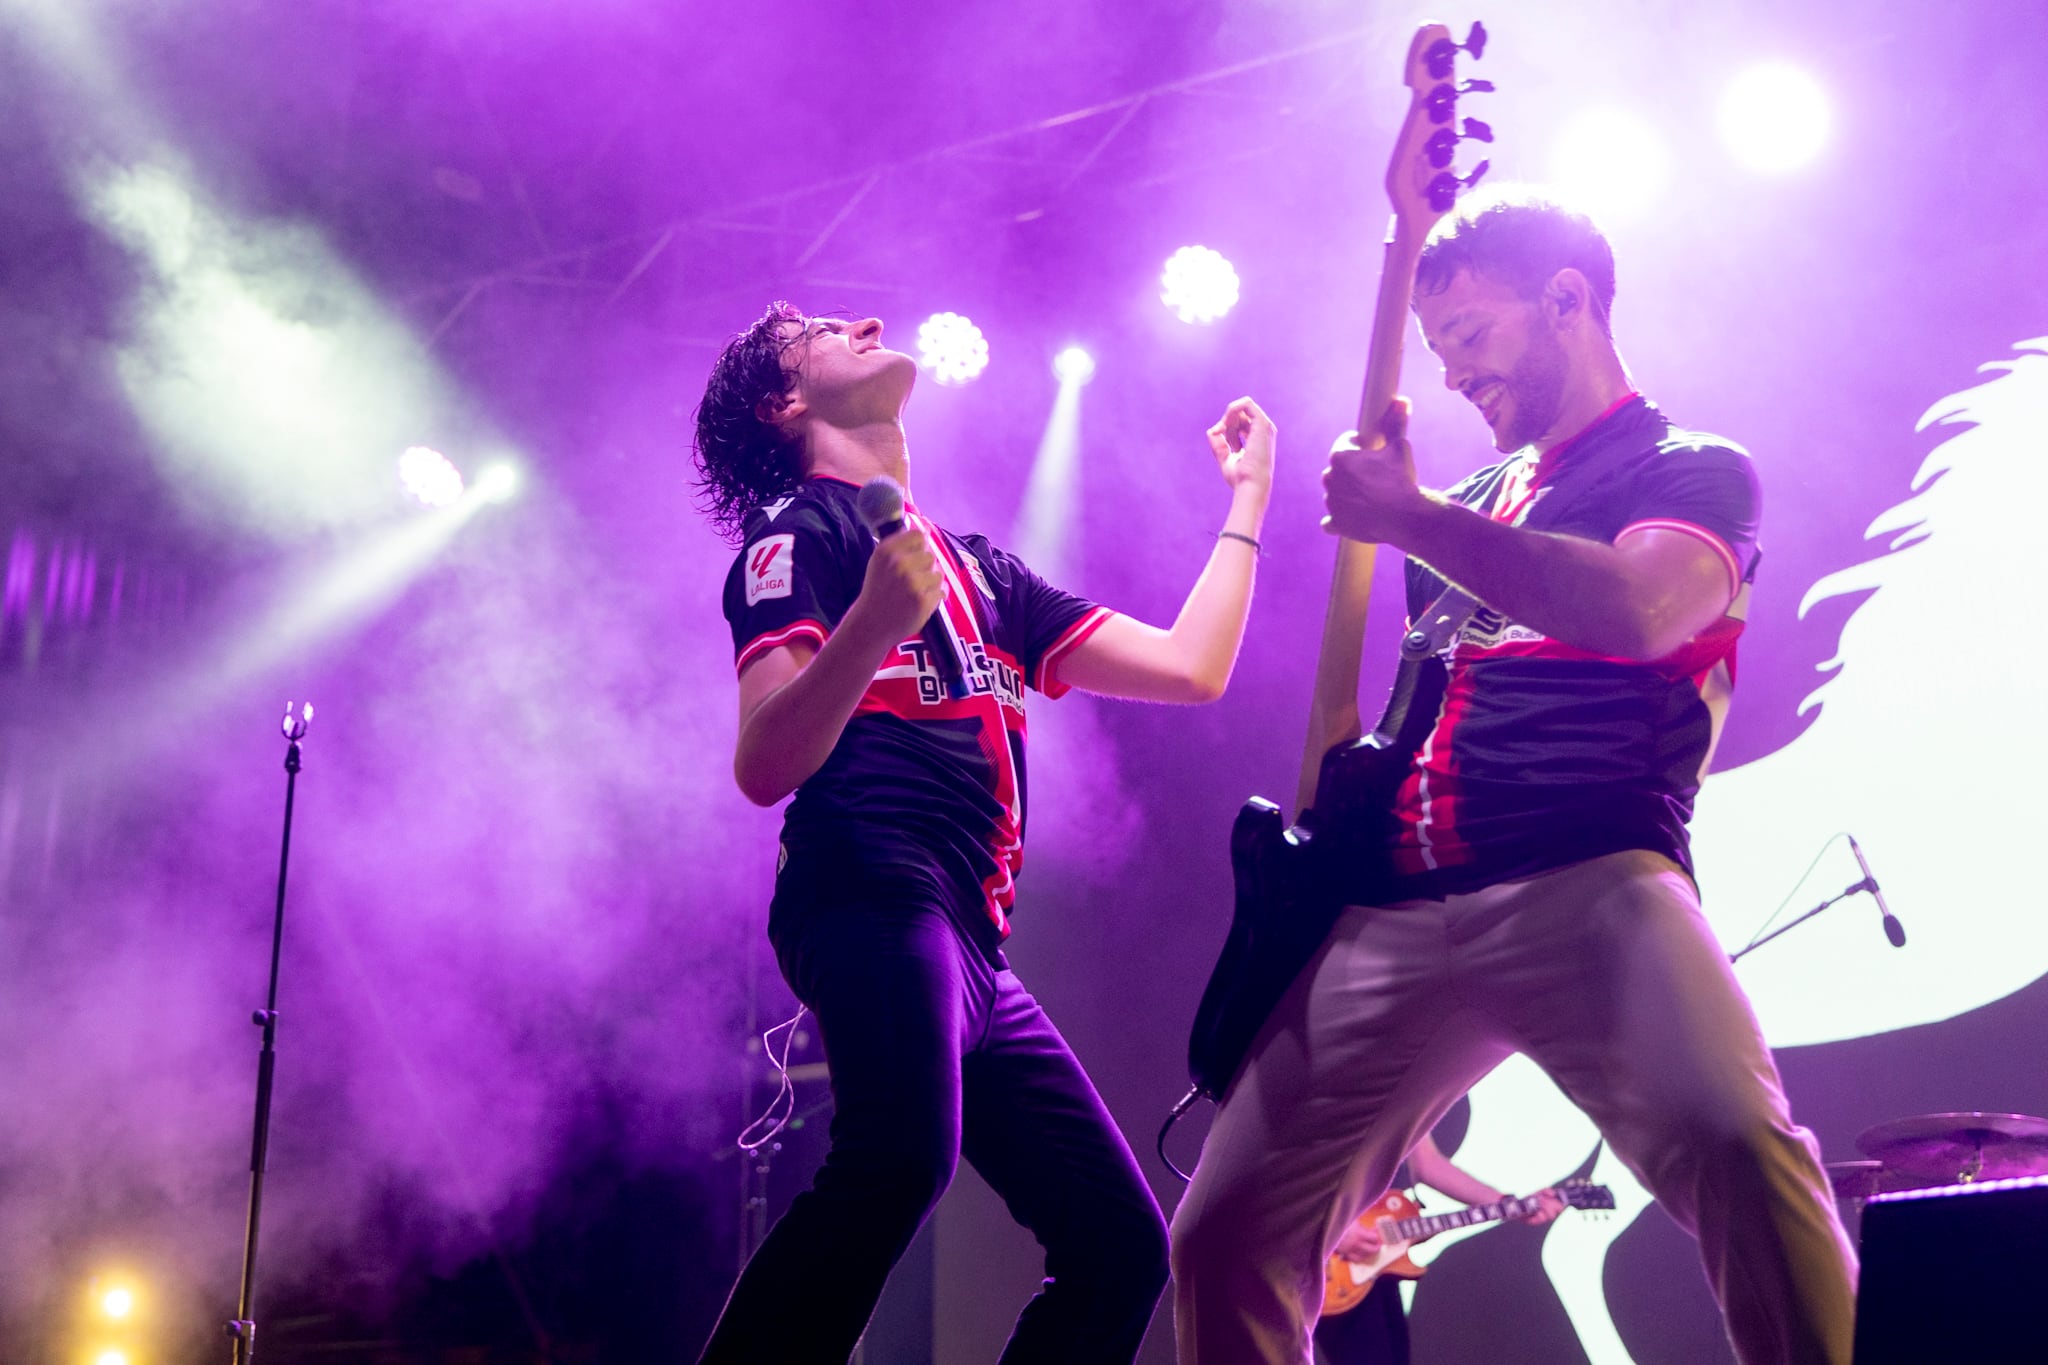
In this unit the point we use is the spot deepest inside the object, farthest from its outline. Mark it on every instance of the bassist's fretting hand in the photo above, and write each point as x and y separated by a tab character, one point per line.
1370	488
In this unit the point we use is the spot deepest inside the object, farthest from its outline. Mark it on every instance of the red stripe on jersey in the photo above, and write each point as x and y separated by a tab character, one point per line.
1714	542
1429	803
761	644
1048	681
1007	841
1547	462
1689	660
997	891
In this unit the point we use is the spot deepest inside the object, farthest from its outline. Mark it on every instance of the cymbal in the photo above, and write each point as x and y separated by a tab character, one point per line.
1961	1147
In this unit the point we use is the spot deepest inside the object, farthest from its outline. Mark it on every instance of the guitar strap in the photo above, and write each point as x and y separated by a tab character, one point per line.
1439	624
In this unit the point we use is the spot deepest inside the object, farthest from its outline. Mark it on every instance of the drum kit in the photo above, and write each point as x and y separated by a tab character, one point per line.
1931	1150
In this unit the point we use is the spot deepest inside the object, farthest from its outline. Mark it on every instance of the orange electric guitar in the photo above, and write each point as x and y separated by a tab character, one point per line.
1402	1224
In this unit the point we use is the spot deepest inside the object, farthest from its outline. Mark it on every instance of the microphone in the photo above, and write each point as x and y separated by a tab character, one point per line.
880	504
1893	930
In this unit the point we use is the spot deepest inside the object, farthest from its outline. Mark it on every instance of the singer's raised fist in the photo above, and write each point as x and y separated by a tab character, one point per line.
1243	440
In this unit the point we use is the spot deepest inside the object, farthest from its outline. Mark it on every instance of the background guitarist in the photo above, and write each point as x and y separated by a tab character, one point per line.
1538	894
1374	1331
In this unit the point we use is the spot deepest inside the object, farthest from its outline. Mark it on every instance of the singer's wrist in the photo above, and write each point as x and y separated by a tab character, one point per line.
1248	508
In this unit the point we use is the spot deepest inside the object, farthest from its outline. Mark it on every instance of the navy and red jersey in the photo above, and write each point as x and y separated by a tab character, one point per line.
917	783
1544	754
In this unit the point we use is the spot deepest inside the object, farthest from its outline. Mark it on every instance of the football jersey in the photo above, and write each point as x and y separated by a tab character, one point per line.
1544	754
917	781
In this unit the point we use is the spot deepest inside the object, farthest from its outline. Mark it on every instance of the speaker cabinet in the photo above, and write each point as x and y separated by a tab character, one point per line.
1955	1274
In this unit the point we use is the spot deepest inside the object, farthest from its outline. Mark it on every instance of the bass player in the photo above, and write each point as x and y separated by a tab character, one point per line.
1538	892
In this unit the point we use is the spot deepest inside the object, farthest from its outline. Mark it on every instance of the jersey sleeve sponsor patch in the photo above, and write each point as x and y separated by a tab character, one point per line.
790	579
771	568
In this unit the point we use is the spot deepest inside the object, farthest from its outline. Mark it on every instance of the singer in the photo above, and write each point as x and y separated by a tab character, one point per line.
895	878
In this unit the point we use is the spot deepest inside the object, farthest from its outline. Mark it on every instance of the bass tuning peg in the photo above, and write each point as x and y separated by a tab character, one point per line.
1443	143
1443	53
1445	187
1442	101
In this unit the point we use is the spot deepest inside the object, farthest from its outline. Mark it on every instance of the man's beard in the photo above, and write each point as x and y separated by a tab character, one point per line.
1536	385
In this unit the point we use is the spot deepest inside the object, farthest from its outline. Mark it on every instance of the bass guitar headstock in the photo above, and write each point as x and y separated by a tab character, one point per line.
1422	184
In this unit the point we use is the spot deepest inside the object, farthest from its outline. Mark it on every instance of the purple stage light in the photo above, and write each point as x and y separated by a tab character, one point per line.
1611	163
952	348
1198	284
1775	118
1074	366
428	476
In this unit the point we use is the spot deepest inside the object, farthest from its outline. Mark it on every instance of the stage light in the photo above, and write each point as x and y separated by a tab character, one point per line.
497	483
1611	164
1074	366
111	1358
428	476
250	337
952	348
118	1302
1198	284
1775	118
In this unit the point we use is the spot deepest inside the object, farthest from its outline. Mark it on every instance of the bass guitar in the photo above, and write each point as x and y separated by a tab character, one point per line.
1290	880
1401	1224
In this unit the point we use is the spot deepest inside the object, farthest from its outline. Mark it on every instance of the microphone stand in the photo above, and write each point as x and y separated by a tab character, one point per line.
1852	889
243	1328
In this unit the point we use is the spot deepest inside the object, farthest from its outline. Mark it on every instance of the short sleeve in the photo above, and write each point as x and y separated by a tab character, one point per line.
1704	489
1045	624
792	580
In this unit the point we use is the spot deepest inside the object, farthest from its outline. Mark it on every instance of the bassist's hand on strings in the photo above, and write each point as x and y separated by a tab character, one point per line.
1369	488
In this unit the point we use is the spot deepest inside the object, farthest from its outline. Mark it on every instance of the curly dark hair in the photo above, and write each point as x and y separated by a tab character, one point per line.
1521	238
742	459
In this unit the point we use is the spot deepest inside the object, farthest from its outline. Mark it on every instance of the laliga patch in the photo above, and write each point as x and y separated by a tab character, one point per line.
771	568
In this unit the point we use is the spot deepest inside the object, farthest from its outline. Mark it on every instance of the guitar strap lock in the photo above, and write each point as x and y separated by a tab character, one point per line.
1438	626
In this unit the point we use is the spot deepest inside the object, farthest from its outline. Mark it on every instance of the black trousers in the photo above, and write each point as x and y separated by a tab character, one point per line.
936	1054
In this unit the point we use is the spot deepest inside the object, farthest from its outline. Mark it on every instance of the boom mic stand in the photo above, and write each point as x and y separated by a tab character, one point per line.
1852	889
243	1328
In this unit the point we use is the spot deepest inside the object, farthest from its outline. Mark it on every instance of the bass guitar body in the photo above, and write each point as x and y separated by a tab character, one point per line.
1291	881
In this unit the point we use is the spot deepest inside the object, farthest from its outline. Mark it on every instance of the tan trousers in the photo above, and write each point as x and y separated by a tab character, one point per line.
1606	974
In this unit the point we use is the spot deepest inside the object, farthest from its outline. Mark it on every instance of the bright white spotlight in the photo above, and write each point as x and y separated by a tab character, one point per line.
111	1358
1074	366
498	482
1610	163
1198	284
952	348
428	476
1775	117
117	1303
